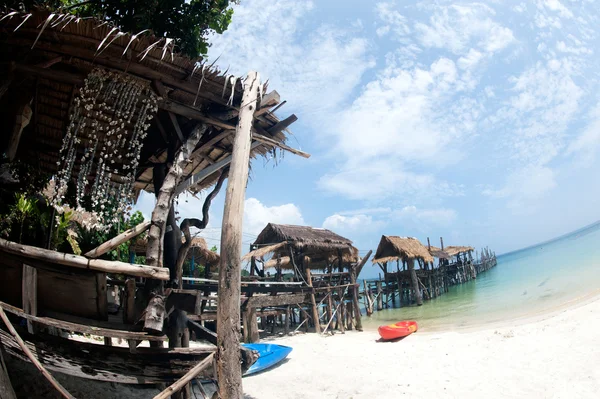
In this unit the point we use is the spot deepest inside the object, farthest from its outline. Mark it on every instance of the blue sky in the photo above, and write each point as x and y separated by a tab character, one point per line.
478	122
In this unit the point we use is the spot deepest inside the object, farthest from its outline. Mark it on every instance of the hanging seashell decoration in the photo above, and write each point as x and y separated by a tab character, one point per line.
109	120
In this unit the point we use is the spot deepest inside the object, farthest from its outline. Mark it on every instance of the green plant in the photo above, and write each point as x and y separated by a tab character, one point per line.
22	209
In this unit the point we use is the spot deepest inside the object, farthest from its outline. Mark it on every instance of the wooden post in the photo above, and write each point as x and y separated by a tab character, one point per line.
342	313
313	302
286	328
228	359
129	302
442	243
428	244
29	282
379	296
329	304
415	282
355	303
252	324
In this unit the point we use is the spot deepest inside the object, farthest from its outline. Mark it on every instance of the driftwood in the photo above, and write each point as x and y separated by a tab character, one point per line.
80	262
228	307
33	359
118	240
154	313
189	376
199	224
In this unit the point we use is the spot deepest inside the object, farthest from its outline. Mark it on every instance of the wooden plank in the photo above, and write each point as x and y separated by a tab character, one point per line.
118	240
81	328
315	310
30	294
108	363
228	307
261	301
101	295
197	178
188	377
80	262
202	332
6	388
275	143
269	100
32	357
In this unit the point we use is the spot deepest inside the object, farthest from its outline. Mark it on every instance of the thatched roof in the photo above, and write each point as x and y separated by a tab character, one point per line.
309	240
53	59
393	248
312	262
455	250
438	253
201	253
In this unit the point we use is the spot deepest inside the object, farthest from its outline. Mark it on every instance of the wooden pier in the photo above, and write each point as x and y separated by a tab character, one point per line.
417	275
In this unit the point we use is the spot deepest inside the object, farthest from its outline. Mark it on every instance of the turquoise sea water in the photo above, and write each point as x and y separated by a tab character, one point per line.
526	282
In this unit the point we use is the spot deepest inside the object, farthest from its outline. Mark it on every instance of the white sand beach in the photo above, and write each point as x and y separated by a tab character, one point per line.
558	357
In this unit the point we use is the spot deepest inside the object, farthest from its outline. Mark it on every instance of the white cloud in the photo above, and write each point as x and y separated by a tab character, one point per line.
393	20
436	216
272	38
558	7
587	144
458	27
564	48
470	60
257	215
356	224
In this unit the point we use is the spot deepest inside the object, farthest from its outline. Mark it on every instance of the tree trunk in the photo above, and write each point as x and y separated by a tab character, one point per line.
154	316
228	310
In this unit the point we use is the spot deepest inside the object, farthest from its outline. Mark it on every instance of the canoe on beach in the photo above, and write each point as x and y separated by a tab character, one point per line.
397	330
268	356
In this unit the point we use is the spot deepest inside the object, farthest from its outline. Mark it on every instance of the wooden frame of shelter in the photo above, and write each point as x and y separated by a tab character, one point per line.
208	127
332	295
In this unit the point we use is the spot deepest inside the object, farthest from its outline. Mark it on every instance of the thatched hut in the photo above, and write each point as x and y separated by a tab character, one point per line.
405	249
107	114
299	247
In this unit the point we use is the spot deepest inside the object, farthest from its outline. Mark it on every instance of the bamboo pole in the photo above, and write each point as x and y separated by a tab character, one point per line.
33	359
228	309
188	377
118	240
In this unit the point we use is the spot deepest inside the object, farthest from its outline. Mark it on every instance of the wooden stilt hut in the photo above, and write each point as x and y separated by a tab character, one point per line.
108	114
320	260
407	250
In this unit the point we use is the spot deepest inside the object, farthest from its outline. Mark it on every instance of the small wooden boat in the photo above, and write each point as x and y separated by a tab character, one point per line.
397	330
268	356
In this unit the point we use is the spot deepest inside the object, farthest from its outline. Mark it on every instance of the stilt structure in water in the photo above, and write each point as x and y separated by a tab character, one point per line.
410	273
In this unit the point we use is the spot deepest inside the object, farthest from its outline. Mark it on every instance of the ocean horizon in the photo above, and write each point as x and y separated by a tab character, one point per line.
526	282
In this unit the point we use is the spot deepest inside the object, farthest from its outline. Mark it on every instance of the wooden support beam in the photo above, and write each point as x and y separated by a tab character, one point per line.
80	328
22	119
275	143
80	262
202	332
315	310
261	301
129	302
282	125
118	240
30	305
228	308
269	100
6	388
33	359
415	282
188	377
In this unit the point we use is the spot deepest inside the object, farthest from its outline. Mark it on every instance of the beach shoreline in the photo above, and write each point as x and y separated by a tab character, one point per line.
554	355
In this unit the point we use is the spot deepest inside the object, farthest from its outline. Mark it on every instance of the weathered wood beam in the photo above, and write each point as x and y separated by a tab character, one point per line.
80	328
29	294
209	170
160	89
22	119
189	376
275	143
33	359
50	62
6	388
80	262
261	301
118	240
282	125
270	99
228	306
202	332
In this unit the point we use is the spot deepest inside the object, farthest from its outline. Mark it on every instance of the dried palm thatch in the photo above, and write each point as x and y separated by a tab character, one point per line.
201	253
438	253
63	49
321	247
456	250
405	248
312	262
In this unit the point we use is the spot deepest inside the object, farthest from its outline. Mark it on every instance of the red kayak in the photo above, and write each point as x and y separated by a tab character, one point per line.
398	330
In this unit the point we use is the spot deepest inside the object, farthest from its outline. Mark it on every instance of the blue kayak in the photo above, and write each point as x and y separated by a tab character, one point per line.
268	356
